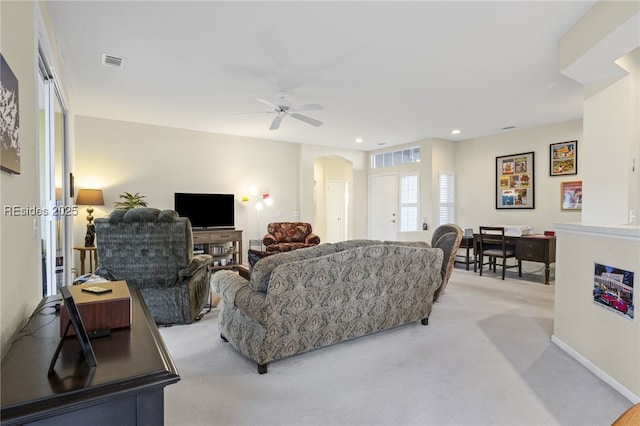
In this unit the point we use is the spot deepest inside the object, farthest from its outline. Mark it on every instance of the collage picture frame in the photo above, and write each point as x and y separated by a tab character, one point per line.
515	181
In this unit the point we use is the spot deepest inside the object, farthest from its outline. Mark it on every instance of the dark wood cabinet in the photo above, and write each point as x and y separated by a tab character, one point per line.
126	387
530	248
537	249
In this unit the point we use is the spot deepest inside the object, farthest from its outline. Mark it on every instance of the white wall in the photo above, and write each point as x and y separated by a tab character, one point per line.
156	161
606	63
20	279
476	178
605	342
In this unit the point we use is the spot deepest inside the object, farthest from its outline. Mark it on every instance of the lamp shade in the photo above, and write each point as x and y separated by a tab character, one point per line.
90	197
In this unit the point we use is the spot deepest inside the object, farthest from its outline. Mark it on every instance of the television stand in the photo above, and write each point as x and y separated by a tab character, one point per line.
222	244
126	387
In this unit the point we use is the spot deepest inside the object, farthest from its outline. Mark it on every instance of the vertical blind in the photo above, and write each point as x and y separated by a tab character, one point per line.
446	202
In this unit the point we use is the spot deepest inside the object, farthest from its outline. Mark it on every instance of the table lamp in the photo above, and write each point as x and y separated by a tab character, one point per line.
90	197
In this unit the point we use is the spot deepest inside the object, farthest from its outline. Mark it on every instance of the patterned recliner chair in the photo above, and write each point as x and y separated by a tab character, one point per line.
447	238
287	236
153	251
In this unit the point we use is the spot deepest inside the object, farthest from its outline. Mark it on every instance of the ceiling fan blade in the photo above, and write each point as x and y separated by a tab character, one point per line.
275	124
306	119
242	114
307	107
269	104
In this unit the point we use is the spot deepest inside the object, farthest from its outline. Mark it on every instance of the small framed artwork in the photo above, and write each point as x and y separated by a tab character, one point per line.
613	290
571	195
563	158
10	119
515	181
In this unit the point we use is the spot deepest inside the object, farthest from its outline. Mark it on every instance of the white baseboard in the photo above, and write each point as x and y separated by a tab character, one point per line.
596	370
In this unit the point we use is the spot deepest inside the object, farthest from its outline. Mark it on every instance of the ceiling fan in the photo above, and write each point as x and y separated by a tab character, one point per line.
282	108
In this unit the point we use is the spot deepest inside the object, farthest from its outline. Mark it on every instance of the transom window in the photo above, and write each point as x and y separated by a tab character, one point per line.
394	158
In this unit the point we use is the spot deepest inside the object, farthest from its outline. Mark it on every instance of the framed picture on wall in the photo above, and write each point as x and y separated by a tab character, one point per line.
515	181
563	158
10	118
571	195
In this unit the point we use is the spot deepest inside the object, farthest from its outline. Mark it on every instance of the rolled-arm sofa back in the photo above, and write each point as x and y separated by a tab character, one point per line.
325	296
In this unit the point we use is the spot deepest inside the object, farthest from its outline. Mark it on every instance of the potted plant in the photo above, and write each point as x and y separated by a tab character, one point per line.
130	201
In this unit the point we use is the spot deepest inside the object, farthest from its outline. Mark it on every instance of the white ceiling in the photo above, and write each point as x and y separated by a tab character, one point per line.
387	72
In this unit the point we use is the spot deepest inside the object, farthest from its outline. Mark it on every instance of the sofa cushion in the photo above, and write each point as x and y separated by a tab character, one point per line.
261	271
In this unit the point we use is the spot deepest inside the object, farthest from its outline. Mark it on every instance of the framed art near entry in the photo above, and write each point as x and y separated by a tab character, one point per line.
563	158
571	195
515	181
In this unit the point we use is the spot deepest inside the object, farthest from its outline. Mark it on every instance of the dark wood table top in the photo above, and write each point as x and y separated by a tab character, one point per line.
130	358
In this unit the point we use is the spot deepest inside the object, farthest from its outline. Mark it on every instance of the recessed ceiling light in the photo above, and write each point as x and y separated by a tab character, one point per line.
359	140
455	132
382	143
508	128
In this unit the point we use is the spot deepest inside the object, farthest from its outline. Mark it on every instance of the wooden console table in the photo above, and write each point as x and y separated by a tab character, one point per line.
532	248
126	387
215	242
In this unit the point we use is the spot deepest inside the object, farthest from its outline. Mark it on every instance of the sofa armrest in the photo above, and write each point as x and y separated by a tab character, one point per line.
269	239
312	239
236	293
198	262
226	284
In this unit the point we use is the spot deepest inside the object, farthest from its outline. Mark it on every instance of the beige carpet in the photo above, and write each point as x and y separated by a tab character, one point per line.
484	359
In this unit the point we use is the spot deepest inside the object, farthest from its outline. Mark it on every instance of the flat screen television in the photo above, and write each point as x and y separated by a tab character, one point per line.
206	210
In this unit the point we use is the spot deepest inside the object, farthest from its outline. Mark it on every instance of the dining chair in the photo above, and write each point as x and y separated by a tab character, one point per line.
493	245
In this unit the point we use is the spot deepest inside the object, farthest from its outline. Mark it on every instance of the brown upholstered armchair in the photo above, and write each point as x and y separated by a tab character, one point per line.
287	236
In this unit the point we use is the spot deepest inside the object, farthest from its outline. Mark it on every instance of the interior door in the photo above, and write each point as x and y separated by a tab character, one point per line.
335	211
383	207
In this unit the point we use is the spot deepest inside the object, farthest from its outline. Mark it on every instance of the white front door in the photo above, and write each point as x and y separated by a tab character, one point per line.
383	207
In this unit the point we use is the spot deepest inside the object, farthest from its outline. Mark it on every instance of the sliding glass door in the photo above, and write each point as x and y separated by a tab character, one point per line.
55	186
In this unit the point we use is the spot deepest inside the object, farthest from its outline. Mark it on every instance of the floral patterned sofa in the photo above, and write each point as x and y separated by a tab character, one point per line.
287	236
307	299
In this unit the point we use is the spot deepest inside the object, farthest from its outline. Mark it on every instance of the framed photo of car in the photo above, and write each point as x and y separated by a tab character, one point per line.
563	158
515	181
613	289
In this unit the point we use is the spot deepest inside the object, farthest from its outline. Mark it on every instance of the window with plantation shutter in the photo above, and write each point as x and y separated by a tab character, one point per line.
446	201
409	203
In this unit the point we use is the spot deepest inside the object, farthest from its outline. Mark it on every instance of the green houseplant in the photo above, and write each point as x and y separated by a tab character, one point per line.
129	201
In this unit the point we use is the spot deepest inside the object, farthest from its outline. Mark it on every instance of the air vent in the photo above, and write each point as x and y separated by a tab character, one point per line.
112	61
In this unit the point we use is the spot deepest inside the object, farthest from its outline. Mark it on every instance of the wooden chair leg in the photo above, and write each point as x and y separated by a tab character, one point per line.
504	267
